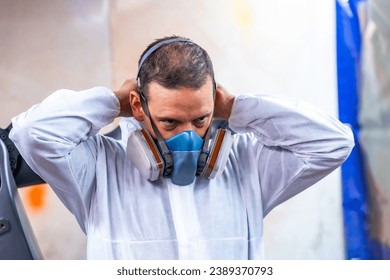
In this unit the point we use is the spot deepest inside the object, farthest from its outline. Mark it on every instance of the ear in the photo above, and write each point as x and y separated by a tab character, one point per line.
136	106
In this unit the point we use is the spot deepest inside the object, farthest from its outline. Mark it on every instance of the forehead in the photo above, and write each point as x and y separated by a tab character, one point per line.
162	100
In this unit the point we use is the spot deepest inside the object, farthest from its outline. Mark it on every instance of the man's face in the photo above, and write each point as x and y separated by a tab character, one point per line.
176	110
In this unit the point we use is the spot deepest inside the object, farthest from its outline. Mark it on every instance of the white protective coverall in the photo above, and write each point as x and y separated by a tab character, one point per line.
281	148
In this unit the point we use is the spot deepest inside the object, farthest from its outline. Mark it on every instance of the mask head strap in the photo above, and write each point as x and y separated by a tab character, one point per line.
165	153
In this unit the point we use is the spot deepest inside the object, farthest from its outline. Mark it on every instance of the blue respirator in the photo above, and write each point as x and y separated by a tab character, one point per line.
185	148
186	156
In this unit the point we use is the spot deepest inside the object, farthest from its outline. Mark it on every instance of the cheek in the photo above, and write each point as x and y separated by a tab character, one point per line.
201	132
207	126
148	127
165	134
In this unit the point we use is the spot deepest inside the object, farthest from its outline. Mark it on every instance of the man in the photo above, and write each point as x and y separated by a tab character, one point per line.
162	192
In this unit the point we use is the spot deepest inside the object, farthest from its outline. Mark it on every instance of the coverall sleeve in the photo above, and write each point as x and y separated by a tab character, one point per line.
57	140
294	144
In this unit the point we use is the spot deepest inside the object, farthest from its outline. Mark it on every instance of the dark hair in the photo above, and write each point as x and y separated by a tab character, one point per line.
175	65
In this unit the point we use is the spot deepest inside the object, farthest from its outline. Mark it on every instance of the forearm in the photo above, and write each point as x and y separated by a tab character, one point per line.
53	139
62	120
293	147
291	125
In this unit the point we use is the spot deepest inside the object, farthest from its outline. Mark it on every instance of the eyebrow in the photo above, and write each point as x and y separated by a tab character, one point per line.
162	118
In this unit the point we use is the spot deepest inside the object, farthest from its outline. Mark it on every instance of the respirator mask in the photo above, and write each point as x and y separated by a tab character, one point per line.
183	156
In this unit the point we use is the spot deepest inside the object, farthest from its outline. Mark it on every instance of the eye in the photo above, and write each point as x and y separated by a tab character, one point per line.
201	121
169	122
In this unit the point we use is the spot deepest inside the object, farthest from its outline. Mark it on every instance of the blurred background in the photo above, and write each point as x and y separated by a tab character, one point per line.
332	54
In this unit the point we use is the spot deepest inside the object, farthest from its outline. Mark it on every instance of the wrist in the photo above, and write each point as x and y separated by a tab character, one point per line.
124	103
